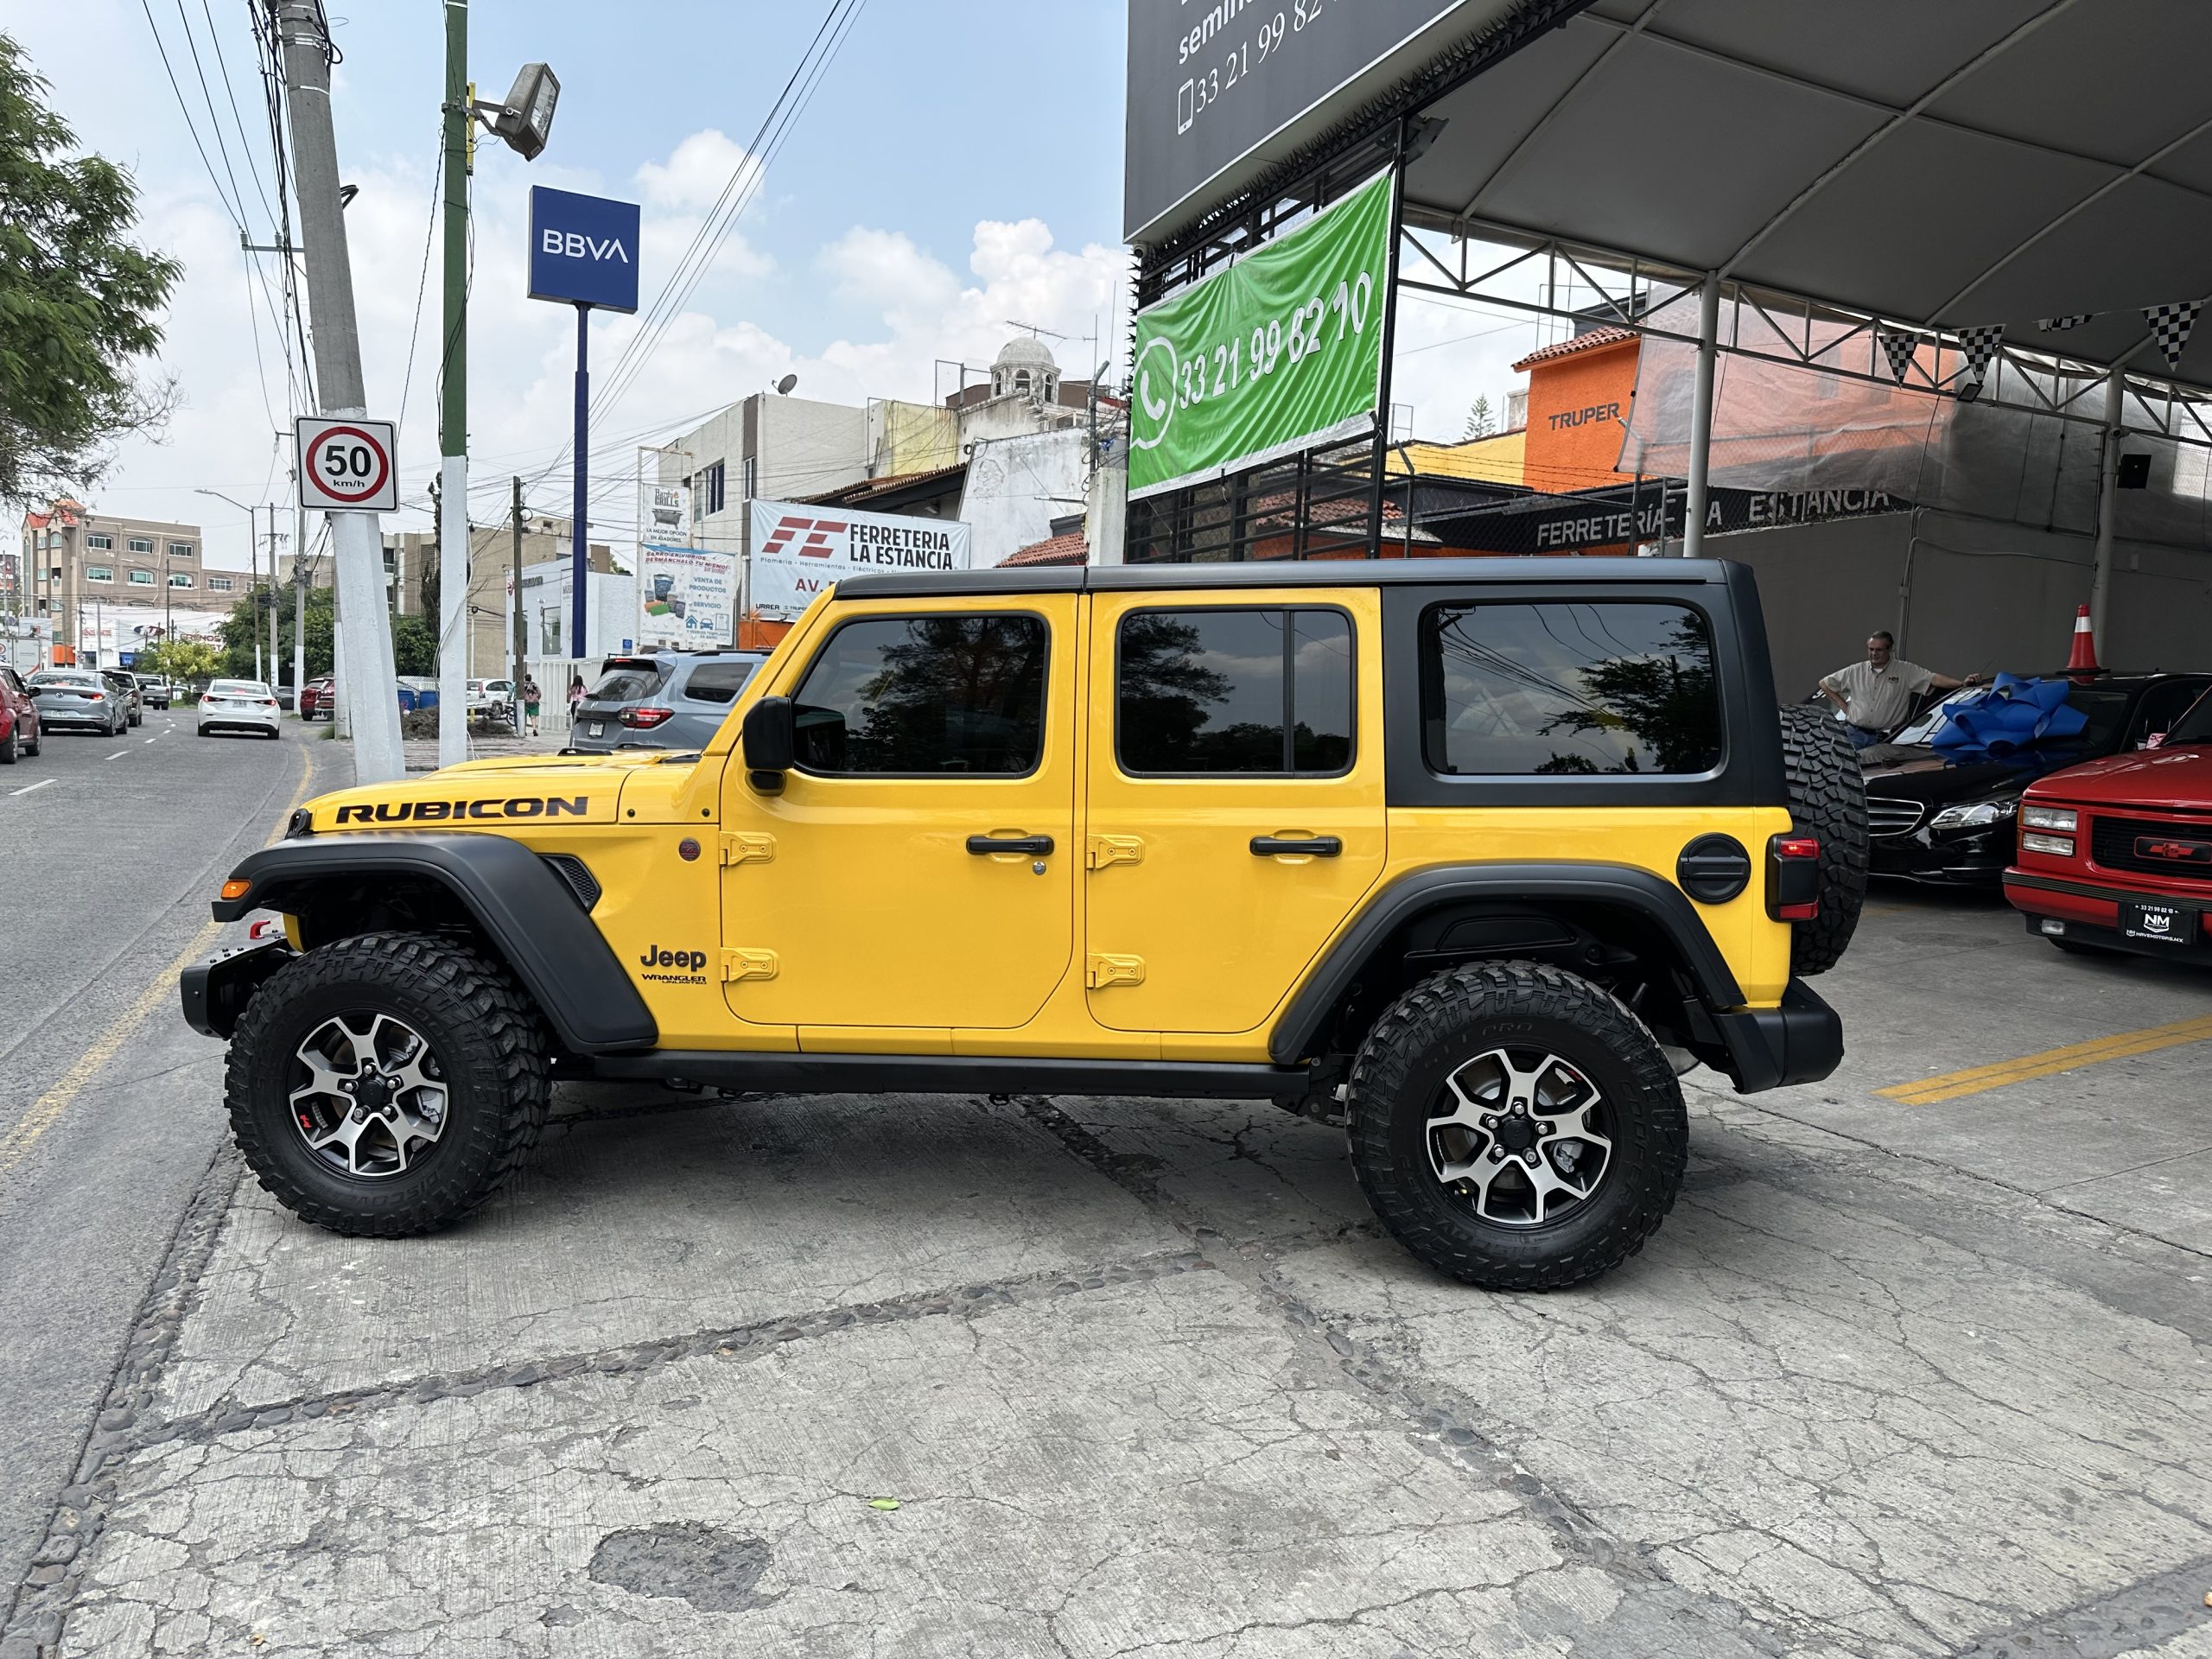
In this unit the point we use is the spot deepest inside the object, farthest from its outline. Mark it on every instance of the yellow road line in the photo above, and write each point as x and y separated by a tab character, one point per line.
1972	1081
48	1108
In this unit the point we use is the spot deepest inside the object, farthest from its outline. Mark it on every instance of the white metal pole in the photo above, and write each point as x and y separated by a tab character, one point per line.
1708	348
2107	508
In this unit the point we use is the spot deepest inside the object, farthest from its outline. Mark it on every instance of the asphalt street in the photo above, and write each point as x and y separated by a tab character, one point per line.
110	1107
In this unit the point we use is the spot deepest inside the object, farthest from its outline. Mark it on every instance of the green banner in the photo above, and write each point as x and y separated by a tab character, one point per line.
1280	353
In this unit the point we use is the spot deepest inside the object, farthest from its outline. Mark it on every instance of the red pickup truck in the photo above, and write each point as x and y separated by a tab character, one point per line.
2116	854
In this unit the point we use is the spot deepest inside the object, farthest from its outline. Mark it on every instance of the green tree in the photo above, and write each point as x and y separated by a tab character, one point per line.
191	662
239	632
79	304
1481	422
414	647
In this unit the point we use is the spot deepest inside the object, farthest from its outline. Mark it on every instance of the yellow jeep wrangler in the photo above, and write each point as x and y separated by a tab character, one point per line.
1471	856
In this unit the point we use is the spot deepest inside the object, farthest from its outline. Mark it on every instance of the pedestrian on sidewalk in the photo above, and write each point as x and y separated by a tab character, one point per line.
575	697
1876	695
529	702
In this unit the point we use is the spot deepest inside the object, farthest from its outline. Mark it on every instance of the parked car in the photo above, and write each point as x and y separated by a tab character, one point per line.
77	697
1941	812
2116	854
661	700
239	706
318	699
125	685
152	691
20	732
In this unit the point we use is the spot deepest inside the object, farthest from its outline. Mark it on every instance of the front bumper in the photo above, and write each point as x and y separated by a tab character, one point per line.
215	992
1974	857
1801	1041
2090	911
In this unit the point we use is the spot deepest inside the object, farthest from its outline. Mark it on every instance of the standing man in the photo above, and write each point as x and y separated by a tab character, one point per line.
1876	695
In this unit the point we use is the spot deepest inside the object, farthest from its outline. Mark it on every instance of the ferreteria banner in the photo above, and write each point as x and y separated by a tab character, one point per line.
798	550
1280	353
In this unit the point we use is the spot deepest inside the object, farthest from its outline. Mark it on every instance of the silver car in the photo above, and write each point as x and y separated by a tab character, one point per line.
78	698
661	699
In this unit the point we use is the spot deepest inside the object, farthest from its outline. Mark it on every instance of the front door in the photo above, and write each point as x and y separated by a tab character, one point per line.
1235	806
917	872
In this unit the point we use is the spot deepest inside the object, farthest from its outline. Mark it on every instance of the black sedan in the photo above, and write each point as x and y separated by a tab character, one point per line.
1938	818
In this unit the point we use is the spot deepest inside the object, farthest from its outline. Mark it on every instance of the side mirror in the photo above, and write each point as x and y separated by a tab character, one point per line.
769	740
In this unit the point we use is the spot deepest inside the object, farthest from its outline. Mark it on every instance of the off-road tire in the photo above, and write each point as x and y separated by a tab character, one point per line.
1437	1027
1827	798
491	1046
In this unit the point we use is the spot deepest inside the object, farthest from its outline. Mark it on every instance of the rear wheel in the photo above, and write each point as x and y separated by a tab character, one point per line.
8	748
387	1085
1827	798
1515	1126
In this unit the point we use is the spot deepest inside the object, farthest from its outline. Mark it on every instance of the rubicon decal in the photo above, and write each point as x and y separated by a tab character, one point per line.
513	806
667	967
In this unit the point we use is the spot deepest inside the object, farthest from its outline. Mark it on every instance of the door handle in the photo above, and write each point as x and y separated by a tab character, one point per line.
1314	846
1035	846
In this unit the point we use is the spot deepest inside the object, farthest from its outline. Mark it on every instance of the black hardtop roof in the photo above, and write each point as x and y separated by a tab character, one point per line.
1509	569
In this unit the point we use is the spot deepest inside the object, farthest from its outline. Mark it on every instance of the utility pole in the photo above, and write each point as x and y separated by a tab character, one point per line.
253	589
299	591
453	405
272	598
356	546
515	575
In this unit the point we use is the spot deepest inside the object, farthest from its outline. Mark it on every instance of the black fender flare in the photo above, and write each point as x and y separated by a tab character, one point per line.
528	913
1650	898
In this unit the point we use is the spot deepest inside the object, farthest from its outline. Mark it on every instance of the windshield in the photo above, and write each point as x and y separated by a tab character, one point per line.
2195	725
2106	711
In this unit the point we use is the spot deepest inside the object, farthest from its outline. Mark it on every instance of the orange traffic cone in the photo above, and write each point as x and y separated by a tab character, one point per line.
2085	644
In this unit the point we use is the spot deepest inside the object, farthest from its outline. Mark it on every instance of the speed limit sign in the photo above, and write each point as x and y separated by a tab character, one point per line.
345	465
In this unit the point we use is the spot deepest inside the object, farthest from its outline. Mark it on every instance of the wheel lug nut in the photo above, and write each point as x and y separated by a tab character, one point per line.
1496	1153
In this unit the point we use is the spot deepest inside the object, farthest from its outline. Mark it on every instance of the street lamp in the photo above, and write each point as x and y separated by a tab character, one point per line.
526	120
253	570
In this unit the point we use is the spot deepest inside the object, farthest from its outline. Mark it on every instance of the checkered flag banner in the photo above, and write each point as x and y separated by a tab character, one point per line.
2059	325
1979	346
1898	348
2170	327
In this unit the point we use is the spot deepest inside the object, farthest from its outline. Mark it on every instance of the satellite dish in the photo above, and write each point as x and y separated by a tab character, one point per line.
783	386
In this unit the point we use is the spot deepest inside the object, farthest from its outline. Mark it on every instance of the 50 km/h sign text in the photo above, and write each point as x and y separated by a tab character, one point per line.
345	465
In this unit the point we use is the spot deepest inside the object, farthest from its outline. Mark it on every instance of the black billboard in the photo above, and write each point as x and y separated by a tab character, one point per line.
1211	81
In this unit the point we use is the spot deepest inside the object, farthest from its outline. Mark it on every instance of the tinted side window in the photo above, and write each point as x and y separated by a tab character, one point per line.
1560	688
924	694
2161	706
1258	690
717	681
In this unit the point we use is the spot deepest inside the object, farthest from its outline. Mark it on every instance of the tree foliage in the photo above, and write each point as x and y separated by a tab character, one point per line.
79	303
238	632
191	662
1481	422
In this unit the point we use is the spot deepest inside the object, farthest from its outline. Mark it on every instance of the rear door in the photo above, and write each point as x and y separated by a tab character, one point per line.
1235	803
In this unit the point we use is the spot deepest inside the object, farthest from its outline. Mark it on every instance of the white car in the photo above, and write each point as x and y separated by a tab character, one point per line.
240	706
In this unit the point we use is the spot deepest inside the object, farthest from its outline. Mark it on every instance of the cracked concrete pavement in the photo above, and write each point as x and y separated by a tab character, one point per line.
945	1376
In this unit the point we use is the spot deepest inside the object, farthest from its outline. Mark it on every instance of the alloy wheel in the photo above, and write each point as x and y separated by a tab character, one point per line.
1521	1136
370	1098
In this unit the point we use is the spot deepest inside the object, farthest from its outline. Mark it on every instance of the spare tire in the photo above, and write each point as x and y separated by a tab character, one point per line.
1827	798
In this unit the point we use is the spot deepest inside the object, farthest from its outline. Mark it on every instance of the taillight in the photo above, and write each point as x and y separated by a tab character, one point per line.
637	719
269	702
1793	878
95	696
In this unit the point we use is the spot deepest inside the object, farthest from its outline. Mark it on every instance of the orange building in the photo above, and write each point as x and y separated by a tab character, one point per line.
1579	396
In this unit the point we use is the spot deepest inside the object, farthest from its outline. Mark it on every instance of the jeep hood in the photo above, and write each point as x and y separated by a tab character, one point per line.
499	793
2170	780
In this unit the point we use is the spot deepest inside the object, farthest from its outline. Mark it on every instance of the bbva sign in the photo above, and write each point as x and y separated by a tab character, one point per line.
583	250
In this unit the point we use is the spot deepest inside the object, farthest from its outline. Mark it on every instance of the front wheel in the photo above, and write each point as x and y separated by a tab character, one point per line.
387	1085
1515	1126
8	748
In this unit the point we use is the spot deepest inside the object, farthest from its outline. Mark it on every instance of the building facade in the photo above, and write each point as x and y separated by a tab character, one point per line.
75	566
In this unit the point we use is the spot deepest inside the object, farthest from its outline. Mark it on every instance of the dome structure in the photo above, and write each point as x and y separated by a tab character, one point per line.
1025	365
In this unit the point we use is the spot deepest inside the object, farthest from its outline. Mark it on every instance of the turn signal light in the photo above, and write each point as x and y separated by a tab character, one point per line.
638	718
236	887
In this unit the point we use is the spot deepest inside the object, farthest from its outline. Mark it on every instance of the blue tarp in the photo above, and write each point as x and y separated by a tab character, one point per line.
2012	714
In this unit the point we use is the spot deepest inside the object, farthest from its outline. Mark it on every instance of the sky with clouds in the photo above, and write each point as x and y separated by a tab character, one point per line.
954	168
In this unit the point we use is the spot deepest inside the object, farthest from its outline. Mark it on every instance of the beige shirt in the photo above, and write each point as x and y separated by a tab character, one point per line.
1879	700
